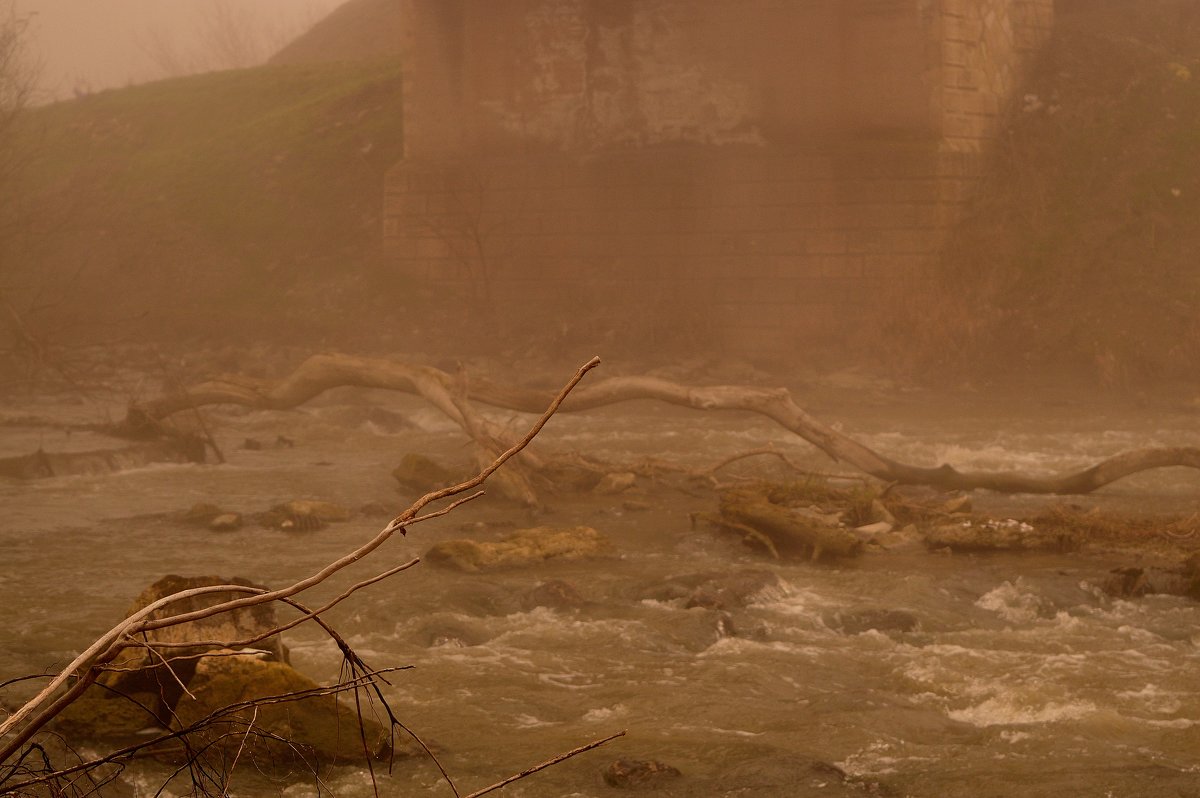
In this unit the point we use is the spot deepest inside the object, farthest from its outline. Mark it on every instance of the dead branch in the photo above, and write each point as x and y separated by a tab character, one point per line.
546	764
323	372
31	717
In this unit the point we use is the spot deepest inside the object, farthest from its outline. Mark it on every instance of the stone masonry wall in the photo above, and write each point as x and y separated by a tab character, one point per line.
610	162
982	49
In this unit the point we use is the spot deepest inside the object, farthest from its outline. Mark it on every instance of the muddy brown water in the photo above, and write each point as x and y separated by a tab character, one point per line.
1019	678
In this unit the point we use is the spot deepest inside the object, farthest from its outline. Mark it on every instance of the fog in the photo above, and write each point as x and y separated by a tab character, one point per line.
883	480
84	45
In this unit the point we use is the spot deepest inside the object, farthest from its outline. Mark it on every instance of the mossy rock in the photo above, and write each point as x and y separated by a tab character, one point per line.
316	727
523	548
101	714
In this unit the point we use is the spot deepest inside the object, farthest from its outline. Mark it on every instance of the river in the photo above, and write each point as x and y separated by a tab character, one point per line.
1020	676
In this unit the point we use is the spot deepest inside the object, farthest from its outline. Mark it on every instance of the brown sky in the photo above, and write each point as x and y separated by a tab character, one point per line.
99	44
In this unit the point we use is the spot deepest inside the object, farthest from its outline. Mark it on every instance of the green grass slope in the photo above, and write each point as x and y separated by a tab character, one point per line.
221	201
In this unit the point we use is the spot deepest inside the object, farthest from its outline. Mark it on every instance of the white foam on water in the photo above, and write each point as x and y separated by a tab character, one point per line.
1007	710
567	681
718	730
526	721
1152	698
879	759
741	646
1176	723
1010	736
600	714
1015	602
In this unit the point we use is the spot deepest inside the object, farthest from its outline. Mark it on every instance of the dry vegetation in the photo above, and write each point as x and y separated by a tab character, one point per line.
1078	260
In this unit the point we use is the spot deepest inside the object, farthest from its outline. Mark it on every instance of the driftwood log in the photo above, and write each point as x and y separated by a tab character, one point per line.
786	532
452	395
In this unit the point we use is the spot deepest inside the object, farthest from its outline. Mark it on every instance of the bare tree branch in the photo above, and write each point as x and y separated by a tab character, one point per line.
29	719
323	372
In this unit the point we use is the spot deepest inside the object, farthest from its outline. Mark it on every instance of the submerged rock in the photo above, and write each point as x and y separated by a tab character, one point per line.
1127	583
554	594
304	515
788	774
617	482
420	473
719	591
522	548
879	619
226	522
201	514
453	632
639	774
1135	581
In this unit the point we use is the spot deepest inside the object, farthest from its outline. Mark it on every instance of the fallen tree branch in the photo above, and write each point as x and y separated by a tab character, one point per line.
30	718
323	372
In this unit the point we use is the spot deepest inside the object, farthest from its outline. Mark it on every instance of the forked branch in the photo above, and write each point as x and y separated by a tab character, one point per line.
323	372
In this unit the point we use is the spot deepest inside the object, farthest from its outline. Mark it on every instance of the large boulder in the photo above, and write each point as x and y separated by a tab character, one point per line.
308	724
524	547
153	675
247	698
143	683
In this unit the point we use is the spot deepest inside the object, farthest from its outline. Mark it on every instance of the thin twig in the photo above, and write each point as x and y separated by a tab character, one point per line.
308	615
238	755
546	764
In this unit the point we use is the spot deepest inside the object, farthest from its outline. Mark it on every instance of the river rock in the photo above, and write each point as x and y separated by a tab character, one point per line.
1127	583
617	482
304	515
446	630
786	775
856	622
201	514
524	547
1006	534
146	683
317	726
226	522
572	476
423	474
1135	582
554	594
376	510
869	532
720	591
639	774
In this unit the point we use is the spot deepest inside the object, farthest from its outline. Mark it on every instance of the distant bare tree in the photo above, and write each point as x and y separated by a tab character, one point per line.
18	81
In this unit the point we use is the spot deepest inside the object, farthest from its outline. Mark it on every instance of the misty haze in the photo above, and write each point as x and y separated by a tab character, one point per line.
574	397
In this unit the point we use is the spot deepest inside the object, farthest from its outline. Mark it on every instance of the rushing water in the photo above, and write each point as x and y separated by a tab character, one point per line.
1020	677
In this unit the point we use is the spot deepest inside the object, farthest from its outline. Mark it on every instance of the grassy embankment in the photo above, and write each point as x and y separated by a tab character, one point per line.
1080	257
243	202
